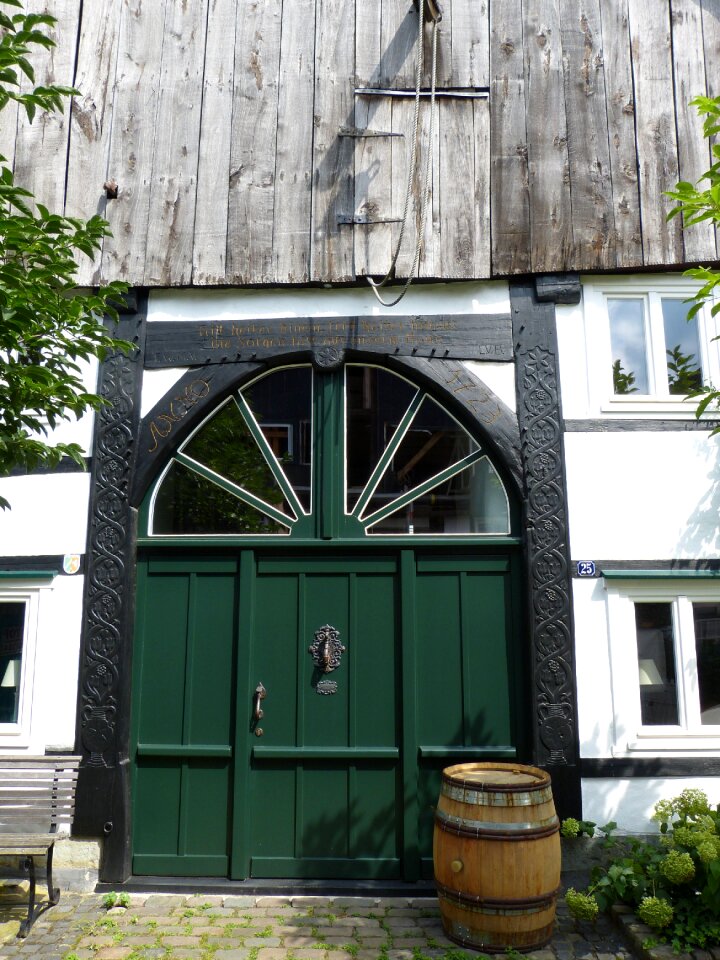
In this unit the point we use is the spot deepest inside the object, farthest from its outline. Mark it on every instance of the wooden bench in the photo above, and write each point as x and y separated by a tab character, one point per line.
36	795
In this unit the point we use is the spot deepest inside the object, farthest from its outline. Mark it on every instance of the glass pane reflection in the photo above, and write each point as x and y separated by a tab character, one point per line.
627	341
226	446
682	348
188	503
707	648
12	633
376	402
433	442
473	501
282	405
656	664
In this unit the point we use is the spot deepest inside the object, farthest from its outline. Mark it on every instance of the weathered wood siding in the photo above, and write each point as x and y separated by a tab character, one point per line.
224	123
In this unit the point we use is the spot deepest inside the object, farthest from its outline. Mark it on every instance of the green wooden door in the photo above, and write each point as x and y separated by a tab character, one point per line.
184	716
468	683
324	789
350	501
340	775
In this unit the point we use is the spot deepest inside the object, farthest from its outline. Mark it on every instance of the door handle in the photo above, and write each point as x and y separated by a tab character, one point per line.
258	697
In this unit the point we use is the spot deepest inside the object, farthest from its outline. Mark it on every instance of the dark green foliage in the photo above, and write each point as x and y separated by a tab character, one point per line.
622	382
48	329
673	883
684	374
696	206
189	503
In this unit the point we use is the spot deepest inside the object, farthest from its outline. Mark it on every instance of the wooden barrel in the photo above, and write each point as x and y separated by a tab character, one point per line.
496	853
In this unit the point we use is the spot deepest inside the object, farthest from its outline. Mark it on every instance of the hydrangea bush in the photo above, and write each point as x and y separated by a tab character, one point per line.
672	883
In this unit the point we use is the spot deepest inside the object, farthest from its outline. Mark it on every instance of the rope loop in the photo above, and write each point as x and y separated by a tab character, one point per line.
425	194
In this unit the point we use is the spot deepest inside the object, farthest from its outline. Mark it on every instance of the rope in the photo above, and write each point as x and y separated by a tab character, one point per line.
424	196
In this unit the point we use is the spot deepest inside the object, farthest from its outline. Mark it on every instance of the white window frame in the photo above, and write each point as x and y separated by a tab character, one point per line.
28	592
651	291
630	736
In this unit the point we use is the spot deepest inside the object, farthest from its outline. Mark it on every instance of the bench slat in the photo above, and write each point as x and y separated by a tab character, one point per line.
36	792
28	795
50	775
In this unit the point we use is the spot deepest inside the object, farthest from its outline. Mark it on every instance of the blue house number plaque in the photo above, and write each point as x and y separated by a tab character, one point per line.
586	568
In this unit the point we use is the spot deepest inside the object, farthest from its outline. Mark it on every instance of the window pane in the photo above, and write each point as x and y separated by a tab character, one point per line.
376	402
473	501
227	447
282	405
656	664
12	631
433	443
707	648
629	351
188	503
682	348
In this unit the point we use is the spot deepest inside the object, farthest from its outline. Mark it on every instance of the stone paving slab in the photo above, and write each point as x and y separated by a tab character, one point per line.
236	927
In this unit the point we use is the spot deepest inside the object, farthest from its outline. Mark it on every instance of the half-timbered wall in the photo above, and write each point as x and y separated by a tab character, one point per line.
227	126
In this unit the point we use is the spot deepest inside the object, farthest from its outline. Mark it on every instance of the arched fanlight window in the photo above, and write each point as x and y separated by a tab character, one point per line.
399	464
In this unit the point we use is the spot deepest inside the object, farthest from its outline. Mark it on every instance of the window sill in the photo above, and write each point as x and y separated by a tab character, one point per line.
680	742
12	736
681	408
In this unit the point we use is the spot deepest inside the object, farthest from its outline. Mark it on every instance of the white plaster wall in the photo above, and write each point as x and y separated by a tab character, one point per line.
631	802
592	667
643	496
56	666
499	377
48	514
156	384
572	361
234	304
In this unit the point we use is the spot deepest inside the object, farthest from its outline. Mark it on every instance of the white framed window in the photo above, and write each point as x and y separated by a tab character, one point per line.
665	663
643	354
19	606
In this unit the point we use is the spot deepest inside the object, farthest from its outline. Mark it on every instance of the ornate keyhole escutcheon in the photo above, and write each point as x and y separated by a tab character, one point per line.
326	651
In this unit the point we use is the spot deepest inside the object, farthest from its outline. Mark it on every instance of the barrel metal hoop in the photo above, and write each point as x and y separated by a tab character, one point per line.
543	783
493	906
491	942
464	827
494	798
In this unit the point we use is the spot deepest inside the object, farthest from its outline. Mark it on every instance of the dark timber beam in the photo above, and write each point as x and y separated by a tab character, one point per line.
103	717
547	555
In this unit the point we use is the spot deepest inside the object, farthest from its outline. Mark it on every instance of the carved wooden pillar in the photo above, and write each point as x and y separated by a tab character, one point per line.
553	695
103	722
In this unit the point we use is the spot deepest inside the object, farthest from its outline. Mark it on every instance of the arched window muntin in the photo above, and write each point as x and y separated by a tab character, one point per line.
360	514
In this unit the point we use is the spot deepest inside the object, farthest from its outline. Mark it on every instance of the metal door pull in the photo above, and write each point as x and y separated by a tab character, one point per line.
259	696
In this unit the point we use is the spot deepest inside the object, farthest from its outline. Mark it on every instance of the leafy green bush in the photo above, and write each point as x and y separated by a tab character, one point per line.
672	883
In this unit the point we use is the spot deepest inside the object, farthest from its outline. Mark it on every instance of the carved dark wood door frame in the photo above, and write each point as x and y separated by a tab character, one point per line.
128	453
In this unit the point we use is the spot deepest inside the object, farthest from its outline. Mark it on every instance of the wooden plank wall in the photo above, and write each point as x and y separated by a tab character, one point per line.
564	122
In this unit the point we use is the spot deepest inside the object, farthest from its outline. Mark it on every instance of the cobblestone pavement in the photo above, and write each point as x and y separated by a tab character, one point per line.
180	927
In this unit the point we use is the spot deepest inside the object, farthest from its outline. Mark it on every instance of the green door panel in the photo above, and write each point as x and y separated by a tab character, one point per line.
467	666
324	787
184	663
339	784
